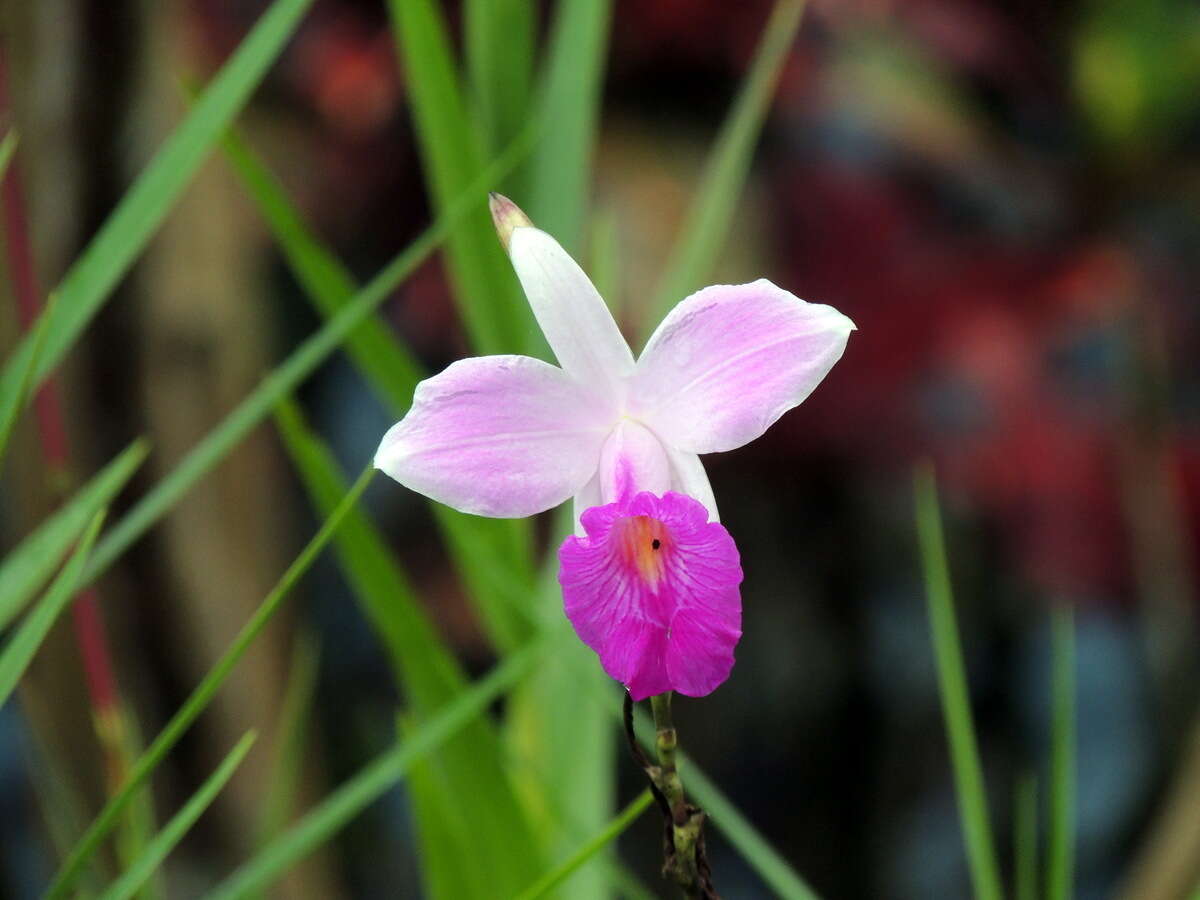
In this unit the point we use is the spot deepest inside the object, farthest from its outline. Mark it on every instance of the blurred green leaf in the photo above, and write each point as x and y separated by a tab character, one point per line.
712	212
11	404
30	563
564	870
560	169
199	699
295	718
8	147
443	830
604	260
351	798
218	443
495	313
1025	838
1135	67
20	650
1060	854
956	703
172	833
110	253
499	836
499	38
492	555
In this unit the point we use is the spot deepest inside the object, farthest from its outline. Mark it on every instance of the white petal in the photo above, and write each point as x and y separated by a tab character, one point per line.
729	360
588	496
577	324
633	460
504	436
688	477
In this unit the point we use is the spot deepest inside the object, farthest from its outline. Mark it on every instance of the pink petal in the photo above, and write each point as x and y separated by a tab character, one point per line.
652	587
729	360
578	326
503	436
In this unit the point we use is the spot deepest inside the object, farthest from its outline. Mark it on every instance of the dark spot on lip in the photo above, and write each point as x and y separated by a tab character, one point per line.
655	544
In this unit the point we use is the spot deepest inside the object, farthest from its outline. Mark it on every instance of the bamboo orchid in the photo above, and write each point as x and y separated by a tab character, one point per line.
650	579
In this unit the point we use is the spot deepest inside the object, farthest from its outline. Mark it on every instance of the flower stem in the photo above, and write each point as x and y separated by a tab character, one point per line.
667	742
683	845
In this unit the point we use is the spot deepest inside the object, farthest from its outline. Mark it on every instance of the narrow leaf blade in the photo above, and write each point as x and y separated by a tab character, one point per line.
499	38
340	807
157	850
559	172
567	867
199	699
494	312
498	834
956	703
493	556
222	439
295	716
28	638
30	563
8	147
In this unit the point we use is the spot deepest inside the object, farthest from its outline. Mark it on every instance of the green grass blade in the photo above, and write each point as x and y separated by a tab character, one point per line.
218	443
172	833
121	239
493	556
31	562
1060	861
498	834
341	806
8	147
1025	838
712	213
201	696
750	843
424	668
563	871
295	716
956	704
496	316
13	403
20	650
559	172
499	39
386	364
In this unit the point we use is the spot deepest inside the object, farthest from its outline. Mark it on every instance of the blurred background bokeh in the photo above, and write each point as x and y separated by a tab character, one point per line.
1004	196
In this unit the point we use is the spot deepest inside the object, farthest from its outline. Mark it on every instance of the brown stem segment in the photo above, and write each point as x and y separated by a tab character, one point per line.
684	857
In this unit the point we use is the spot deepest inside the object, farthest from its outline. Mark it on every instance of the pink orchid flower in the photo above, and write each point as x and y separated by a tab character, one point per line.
650	579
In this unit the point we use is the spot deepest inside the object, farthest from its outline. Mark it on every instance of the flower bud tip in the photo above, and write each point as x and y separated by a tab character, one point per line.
507	217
